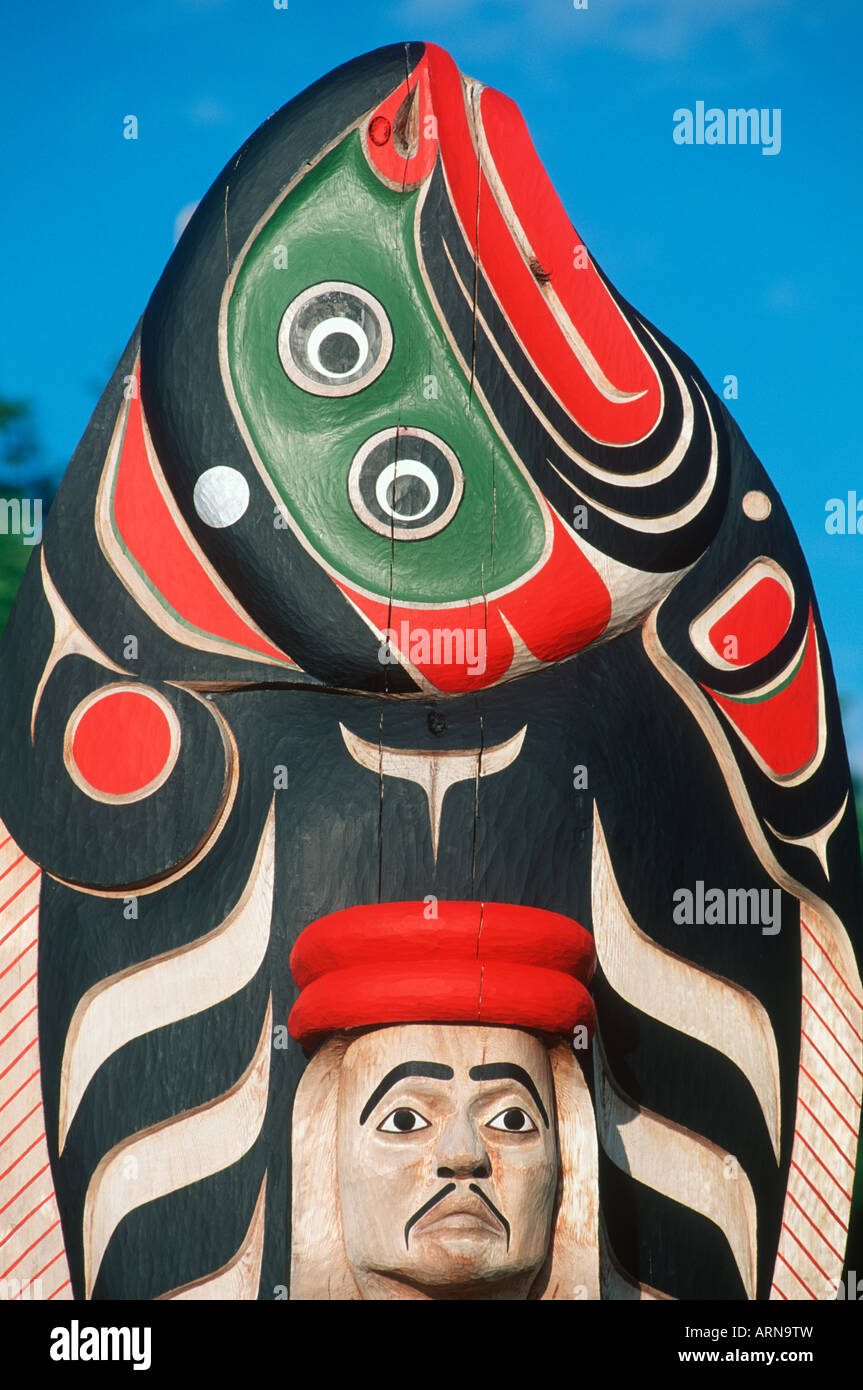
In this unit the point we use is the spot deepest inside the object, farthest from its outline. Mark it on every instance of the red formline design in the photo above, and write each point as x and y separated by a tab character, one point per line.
27	1184
36	1242
797	1276
843	1225
18	1058
58	1290
817	1049
808	1001
822	1092
827	1132
27	982
20	890
17	958
830	1175
833	1000
837	972
22	1155
34	908
21	1020
20	1088
7	1137
25	1219
12	866
820	1234
807	1253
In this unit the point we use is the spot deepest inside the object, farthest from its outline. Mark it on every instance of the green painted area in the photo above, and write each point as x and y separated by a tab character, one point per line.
341	223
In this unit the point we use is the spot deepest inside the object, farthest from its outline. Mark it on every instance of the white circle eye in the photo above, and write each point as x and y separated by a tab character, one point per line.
389	478
405	483
334	339
221	496
403	1121
343	342
513	1120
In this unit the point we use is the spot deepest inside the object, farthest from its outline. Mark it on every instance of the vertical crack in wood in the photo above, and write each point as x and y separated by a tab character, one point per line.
476	807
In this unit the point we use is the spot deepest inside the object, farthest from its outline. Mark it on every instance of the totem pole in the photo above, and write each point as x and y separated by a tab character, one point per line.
429	867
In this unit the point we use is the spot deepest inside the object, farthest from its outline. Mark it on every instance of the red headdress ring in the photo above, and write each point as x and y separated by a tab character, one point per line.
486	963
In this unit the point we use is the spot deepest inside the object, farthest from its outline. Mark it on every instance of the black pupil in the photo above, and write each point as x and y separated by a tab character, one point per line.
407	495
514	1119
339	352
404	1119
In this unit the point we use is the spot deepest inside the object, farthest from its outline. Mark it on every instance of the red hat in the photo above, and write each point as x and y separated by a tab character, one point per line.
388	963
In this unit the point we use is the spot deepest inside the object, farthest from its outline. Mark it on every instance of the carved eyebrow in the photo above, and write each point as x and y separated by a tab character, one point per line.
434	1069
496	1071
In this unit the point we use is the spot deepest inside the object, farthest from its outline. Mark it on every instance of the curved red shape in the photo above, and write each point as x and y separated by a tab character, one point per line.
783	728
558	611
554	243
757	622
151	535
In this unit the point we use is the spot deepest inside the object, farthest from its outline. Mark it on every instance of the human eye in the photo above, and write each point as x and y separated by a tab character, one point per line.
403	1121
513	1120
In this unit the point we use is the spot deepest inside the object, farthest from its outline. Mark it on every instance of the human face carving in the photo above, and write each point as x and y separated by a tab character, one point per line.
447	1161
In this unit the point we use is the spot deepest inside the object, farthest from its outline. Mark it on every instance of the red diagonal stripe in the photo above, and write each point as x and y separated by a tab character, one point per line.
830	962
827	1132
780	1256
821	1091
60	1253
7	1137
12	866
775	1286
25	1219
820	1234
23	1189
18	1058
854	1064
27	982
830	1175
36	1242
23	1155
843	1225
21	1020
833	1000
20	1089
20	890
58	1290
808	1253
34	908
17	958
816	1048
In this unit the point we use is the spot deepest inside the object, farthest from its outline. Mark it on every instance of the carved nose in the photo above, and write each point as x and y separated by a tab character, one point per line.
461	1152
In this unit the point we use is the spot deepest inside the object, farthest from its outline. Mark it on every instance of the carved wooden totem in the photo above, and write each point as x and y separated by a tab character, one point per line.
413	630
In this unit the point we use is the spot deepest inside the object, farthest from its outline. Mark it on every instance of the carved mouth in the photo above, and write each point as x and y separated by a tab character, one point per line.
463	1213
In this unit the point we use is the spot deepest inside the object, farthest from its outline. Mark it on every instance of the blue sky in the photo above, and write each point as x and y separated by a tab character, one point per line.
751	263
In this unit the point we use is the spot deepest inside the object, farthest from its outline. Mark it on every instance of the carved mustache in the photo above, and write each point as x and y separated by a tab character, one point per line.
444	1192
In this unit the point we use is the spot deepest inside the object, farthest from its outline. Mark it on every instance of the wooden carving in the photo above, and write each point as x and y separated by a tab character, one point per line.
405	570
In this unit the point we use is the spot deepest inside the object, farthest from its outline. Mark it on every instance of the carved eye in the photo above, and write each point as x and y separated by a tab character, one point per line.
334	339
403	1121
514	1120
405	483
